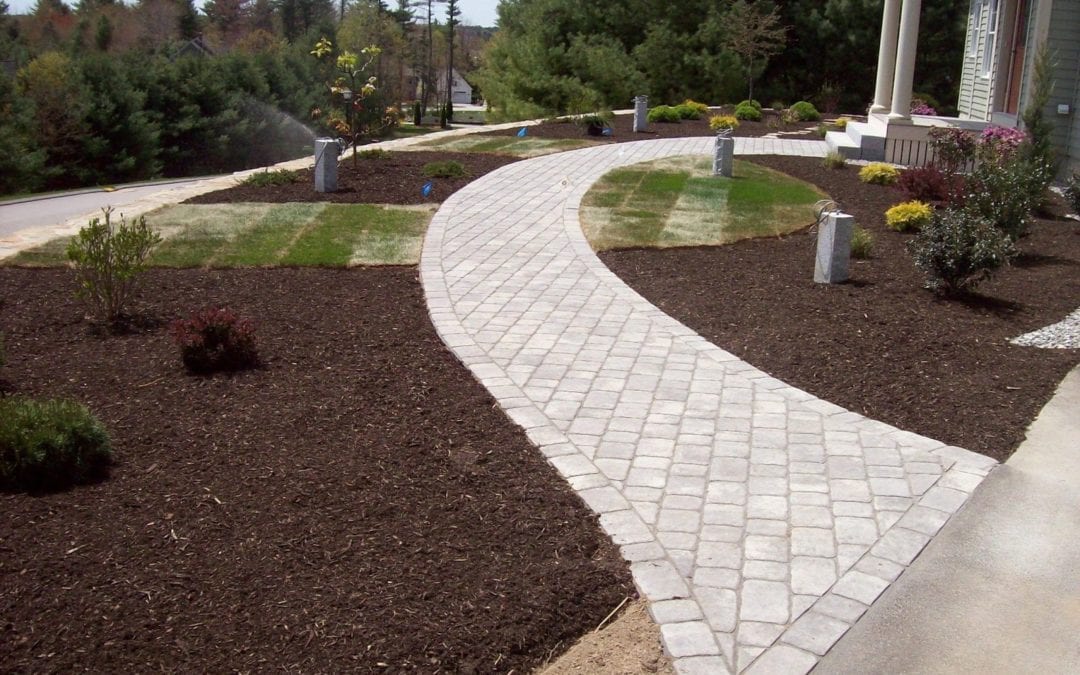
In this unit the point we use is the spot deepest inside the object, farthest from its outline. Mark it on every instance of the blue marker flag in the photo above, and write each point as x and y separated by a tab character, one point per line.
606	131
426	190
521	133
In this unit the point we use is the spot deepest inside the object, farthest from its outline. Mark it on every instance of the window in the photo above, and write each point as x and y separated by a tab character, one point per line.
973	21
991	39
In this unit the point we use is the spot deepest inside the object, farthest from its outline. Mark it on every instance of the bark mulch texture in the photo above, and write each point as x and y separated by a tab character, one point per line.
358	504
396	178
623	130
880	344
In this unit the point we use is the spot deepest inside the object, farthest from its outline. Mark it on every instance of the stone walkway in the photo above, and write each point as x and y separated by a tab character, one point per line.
759	521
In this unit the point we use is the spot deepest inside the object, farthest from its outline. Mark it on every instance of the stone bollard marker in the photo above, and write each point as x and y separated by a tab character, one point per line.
833	247
641	113
724	154
326	154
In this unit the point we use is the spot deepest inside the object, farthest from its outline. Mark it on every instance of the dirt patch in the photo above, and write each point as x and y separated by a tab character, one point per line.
394	178
629	645
622	128
358	504
880	344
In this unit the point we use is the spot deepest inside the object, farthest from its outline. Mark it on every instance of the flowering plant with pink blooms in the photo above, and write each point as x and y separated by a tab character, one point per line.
920	107
1004	135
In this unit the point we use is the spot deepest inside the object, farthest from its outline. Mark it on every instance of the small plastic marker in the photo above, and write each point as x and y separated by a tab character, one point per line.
606	131
427	189
522	132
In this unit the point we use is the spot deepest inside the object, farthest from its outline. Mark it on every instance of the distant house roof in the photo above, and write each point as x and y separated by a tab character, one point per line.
194	47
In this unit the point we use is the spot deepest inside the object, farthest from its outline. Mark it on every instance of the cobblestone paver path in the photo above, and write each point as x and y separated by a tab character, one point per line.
759	521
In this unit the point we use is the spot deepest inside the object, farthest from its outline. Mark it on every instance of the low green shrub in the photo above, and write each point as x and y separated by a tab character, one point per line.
50	445
879	173
718	122
374	153
215	339
444	169
108	260
908	216
862	243
834	160
958	249
821	130
271	178
745	111
1072	192
665	114
687	112
750	102
804	111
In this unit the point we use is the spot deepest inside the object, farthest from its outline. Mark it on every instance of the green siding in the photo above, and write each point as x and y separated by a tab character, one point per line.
975	90
1064	40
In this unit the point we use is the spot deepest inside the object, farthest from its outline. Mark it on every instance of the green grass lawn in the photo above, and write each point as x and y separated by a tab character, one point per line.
504	145
678	202
262	235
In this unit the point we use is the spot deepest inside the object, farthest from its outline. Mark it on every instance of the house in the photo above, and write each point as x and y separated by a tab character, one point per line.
1003	37
460	89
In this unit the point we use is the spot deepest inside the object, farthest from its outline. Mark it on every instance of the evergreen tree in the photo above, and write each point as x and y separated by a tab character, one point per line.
188	21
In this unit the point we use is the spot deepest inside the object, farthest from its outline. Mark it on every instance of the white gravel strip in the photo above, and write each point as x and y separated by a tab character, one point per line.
1064	334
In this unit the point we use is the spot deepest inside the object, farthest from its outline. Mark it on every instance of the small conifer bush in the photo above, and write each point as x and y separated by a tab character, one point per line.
804	111
665	114
908	216
750	102
215	339
879	173
50	445
445	169
271	178
699	109
745	111
718	122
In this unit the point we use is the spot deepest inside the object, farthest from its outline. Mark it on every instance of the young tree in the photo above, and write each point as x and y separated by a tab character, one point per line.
452	14
349	72
753	32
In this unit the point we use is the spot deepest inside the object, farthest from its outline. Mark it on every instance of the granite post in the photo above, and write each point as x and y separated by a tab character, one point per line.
326	164
641	113
833	247
724	154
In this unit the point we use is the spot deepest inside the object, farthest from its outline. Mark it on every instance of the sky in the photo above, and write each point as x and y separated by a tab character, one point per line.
474	12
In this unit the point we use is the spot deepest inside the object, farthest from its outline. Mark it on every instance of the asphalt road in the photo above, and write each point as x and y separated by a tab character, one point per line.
58	208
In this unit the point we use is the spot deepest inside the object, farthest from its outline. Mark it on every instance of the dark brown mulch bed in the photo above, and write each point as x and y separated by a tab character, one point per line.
880	344
396	178
358	504
623	130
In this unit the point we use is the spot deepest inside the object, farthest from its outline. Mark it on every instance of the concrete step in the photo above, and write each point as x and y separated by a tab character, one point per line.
869	137
840	142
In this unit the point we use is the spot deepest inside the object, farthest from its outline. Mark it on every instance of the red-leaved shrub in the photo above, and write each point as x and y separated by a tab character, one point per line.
215	339
927	184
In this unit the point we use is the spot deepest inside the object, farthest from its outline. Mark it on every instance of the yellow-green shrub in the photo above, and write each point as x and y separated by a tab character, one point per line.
908	216
699	108
841	122
718	122
879	173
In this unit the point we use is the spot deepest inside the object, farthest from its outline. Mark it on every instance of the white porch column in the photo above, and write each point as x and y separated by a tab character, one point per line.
886	60
905	66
